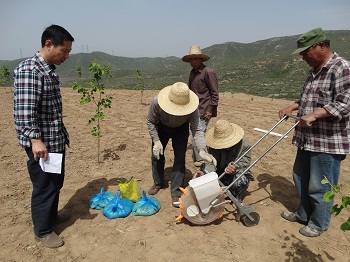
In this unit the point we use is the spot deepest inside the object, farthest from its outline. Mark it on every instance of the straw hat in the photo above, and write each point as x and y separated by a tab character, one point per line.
195	51
224	135
178	99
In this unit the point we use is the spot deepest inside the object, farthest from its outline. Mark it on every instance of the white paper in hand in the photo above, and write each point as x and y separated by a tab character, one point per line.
53	164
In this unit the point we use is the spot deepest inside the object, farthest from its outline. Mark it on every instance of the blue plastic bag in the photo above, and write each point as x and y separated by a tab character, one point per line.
118	207
146	206
99	201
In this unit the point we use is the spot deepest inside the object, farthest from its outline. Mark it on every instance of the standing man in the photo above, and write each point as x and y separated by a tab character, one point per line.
171	114
323	135
40	129
204	84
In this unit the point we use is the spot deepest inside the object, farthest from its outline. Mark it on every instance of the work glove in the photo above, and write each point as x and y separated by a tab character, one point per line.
157	149
208	157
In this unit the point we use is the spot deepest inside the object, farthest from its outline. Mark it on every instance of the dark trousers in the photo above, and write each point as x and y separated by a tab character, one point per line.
179	137
45	195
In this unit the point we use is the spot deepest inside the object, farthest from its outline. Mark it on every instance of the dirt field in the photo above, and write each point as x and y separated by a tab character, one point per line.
125	152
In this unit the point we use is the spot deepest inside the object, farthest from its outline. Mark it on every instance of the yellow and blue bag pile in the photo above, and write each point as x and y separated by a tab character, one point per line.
117	206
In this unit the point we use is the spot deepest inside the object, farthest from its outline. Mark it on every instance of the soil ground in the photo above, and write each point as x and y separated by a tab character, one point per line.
125	152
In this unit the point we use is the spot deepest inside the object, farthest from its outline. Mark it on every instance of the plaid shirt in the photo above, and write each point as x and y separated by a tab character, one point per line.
38	105
328	89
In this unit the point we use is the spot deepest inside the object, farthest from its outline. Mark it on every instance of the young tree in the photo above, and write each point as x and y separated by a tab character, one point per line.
5	77
93	90
140	82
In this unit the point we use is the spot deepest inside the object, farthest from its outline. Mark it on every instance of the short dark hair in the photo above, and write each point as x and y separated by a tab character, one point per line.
327	43
57	34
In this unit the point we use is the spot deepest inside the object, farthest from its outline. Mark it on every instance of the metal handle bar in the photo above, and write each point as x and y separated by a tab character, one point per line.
285	117
261	156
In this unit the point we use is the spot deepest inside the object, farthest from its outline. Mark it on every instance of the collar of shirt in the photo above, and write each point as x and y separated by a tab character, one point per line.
326	66
199	69
48	69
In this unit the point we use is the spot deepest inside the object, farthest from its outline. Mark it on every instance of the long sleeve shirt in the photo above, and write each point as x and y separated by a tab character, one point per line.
156	115
328	89
204	83
38	105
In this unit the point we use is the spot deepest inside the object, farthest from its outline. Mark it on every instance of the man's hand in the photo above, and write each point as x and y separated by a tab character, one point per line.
39	149
230	168
157	149
288	110
207	115
306	121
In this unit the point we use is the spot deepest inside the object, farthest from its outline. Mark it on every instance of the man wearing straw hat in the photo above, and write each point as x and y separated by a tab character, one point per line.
323	134
171	115
226	142
204	84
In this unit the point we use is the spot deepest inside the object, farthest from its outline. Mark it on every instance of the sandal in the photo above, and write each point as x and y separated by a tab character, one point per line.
154	190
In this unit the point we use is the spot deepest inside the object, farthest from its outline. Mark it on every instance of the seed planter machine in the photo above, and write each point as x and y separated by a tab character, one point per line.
204	200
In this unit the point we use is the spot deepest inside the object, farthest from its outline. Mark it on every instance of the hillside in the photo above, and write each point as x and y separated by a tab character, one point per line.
263	68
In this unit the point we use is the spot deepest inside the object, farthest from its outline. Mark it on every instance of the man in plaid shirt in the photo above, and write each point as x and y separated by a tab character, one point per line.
322	137
40	129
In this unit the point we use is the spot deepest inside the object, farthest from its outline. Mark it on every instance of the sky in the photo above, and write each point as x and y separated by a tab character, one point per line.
161	28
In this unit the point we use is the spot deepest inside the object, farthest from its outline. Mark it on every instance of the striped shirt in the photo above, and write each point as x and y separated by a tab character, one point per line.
156	115
328	89
38	105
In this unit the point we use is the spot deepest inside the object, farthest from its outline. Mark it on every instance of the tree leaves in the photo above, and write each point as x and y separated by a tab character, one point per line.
336	208
93	90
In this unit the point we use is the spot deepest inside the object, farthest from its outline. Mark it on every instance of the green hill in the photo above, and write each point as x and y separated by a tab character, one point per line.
263	68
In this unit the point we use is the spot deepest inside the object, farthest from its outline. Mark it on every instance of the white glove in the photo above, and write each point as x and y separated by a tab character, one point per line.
208	157
157	149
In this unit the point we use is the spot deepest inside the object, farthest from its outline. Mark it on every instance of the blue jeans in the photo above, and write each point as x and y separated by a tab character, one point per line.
45	195
179	138
308	171
195	153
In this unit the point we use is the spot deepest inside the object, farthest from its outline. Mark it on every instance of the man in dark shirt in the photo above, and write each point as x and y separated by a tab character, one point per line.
204	84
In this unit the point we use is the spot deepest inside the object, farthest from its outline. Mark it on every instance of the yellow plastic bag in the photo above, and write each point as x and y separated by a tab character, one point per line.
129	189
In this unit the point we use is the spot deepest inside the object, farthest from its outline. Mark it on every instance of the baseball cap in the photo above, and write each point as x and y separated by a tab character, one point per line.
308	39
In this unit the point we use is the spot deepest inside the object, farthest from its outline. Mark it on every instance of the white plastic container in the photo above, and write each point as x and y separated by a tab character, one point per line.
205	188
